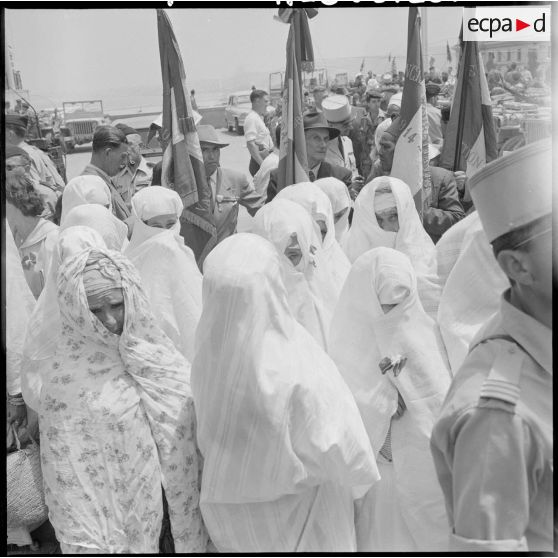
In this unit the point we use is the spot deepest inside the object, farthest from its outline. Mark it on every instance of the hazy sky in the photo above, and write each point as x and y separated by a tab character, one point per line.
65	52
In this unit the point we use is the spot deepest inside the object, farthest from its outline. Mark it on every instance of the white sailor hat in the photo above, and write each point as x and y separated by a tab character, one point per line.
514	190
336	108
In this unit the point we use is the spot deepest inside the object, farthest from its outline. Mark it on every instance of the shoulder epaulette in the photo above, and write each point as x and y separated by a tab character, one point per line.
503	379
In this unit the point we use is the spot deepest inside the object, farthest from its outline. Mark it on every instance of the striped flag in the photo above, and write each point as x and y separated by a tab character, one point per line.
470	139
293	164
183	168
410	159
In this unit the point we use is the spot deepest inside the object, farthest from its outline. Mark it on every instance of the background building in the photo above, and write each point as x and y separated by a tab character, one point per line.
499	55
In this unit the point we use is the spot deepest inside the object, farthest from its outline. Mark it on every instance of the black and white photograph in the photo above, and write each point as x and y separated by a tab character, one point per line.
278	277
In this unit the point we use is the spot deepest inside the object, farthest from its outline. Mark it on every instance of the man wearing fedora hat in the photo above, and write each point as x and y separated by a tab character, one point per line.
337	110
317	133
42	169
229	188
137	173
493	441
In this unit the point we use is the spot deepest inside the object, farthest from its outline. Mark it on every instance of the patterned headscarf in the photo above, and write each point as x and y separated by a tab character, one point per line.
146	355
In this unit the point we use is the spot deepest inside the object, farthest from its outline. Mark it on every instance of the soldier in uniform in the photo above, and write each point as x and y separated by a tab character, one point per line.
339	115
492	443
367	129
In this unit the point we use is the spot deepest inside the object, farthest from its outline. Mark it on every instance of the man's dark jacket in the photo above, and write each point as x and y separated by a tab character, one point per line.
445	208
326	169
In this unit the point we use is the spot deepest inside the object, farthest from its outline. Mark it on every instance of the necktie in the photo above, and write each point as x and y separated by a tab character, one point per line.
312	176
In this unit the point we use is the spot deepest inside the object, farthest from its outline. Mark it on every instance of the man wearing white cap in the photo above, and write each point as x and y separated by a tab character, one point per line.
339	115
493	442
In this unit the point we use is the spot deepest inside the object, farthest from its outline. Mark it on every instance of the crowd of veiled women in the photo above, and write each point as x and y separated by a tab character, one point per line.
281	401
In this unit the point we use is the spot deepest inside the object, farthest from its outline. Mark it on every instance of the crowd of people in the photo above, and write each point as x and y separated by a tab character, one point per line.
350	375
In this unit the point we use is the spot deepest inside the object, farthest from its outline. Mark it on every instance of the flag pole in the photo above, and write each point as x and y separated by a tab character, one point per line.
424	26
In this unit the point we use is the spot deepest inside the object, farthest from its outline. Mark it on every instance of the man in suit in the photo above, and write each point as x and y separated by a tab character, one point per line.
229	188
318	134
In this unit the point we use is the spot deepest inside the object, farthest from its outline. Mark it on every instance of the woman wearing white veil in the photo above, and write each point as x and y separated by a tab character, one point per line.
391	355
389	200
318	206
289	228
284	447
168	269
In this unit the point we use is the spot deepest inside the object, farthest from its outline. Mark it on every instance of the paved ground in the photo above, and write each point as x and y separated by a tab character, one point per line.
235	156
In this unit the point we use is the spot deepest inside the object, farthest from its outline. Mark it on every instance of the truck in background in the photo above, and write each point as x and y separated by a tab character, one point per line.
81	118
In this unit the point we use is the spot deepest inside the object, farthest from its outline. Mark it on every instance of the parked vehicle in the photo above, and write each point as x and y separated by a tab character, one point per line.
152	151
238	107
82	117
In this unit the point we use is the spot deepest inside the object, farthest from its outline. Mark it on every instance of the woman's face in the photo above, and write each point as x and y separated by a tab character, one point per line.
162	221
293	251
108	308
388	220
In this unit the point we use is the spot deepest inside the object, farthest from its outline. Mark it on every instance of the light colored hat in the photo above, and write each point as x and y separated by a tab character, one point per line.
208	134
337	108
514	190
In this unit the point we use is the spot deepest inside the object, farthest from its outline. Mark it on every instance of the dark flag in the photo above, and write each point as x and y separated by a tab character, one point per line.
183	168
410	159
448	52
470	139
293	164
362	66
